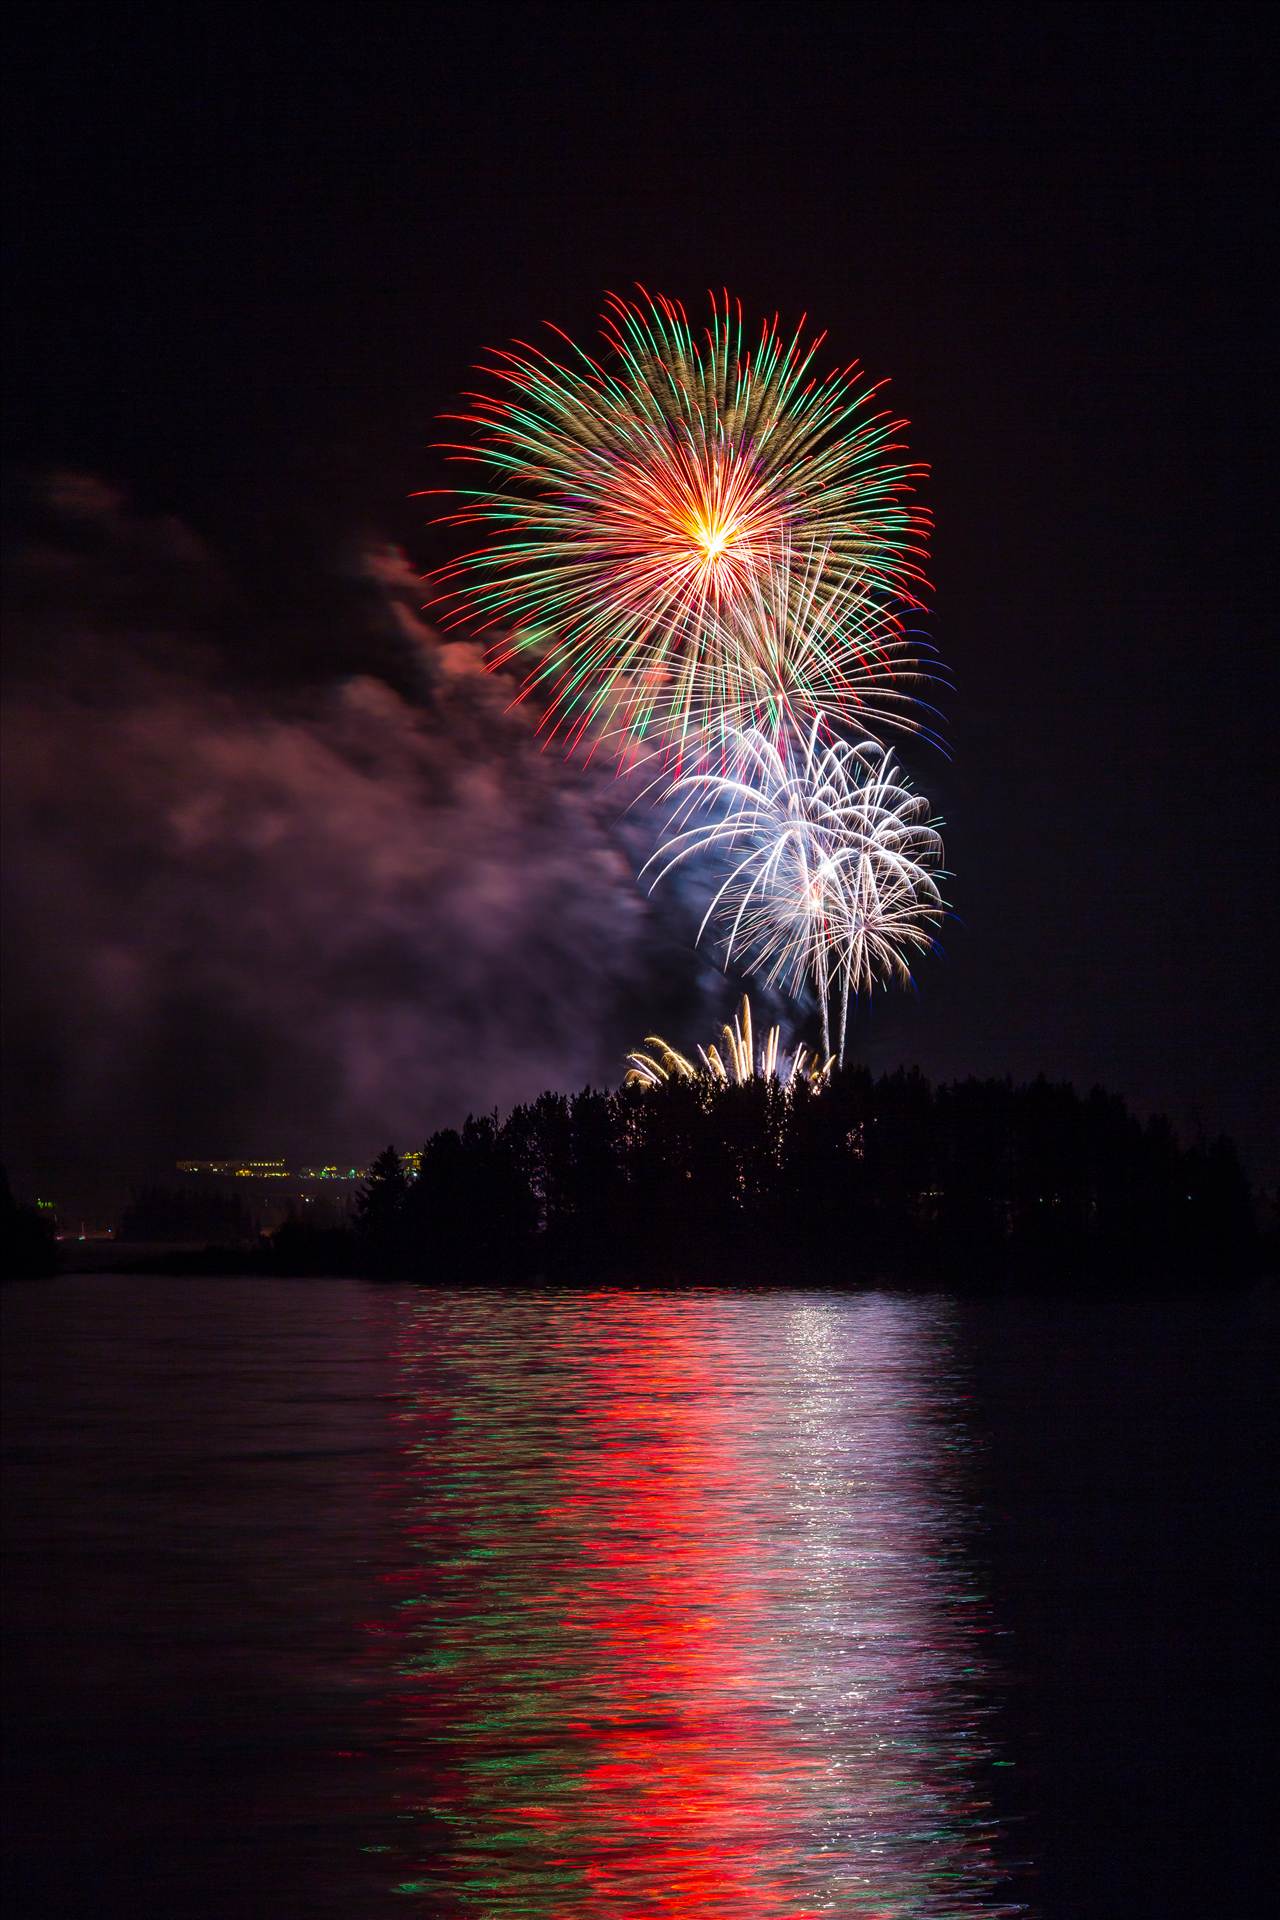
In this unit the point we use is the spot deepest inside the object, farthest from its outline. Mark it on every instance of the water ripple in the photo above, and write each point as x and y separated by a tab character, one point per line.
686	1619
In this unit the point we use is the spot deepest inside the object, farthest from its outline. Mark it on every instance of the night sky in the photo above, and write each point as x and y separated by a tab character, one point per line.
283	875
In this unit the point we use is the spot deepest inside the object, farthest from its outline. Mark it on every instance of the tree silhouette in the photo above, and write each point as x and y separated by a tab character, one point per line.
979	1185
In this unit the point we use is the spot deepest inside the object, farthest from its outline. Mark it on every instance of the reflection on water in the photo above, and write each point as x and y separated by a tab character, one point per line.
685	1621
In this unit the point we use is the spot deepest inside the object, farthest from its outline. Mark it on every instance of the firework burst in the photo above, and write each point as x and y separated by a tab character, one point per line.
832	863
706	555
734	1062
638	508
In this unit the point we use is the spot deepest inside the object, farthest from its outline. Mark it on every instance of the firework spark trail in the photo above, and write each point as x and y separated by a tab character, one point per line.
833	864
637	506
738	1063
803	639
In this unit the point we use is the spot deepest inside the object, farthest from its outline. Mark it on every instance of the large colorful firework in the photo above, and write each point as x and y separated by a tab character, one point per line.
706	553
639	506
832	864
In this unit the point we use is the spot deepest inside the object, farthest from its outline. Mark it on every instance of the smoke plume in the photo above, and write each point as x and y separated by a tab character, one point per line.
252	909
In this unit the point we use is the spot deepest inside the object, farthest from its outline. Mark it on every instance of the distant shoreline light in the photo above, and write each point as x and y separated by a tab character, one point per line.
236	1169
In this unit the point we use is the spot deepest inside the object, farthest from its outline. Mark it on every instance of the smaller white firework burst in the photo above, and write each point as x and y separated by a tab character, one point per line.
833	862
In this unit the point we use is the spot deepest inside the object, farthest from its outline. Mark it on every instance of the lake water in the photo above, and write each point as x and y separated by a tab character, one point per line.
332	1599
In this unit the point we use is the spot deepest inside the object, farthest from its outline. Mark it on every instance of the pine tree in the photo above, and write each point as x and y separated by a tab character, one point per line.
380	1209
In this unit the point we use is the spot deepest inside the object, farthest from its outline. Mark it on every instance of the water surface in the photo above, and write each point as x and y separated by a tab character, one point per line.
335	1599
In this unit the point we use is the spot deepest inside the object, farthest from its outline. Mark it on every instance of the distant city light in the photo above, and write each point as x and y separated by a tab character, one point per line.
235	1169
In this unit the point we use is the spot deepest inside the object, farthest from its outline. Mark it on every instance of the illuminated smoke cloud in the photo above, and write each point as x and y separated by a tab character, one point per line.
306	916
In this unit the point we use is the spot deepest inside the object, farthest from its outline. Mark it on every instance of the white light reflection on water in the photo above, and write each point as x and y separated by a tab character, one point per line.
687	1620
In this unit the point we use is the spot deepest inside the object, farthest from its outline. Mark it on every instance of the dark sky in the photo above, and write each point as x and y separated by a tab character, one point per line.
248	266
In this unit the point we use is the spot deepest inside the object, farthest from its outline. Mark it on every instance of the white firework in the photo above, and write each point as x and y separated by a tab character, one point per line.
833	862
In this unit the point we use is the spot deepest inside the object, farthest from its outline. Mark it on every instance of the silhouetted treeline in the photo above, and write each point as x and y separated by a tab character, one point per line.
978	1184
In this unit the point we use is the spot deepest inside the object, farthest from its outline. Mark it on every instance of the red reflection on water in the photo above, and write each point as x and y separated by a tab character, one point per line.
683	1628
687	1770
